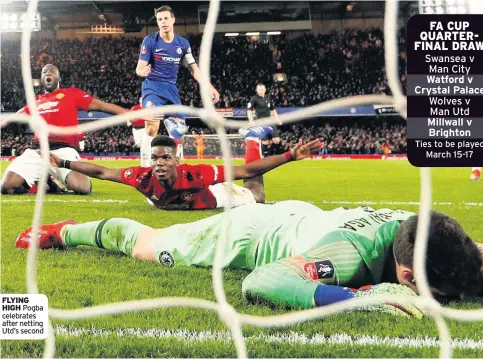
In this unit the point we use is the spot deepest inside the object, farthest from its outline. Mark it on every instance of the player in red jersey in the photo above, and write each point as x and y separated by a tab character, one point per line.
59	107
170	185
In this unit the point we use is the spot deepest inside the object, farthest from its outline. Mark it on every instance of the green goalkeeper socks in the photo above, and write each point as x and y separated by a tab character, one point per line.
115	234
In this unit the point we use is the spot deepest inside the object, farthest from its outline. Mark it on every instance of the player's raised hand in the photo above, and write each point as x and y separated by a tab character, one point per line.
301	151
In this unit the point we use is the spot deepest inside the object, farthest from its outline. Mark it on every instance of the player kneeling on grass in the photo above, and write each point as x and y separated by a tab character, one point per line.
59	107
170	185
298	254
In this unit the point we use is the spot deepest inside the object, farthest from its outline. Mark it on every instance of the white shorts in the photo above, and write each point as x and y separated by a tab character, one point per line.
138	135
29	165
239	195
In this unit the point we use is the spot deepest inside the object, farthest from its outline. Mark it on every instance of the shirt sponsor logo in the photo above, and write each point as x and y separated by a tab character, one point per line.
47	105
170	59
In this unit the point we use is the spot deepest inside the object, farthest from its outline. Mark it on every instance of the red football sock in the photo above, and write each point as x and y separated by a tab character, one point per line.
252	151
33	189
477	173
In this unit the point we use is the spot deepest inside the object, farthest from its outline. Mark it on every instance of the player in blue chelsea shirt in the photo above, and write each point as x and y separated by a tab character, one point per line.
161	54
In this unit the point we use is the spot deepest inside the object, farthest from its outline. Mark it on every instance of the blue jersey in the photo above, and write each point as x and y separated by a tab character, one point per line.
165	58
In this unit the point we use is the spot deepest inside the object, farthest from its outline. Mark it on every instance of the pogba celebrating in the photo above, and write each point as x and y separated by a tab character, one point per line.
169	185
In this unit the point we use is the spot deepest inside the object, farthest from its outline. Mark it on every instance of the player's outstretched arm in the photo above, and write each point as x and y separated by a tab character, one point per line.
298	282
258	168
98	105
88	169
22	110
280	282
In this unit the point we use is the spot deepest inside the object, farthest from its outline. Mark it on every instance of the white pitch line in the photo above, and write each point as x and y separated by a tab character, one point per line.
292	338
396	203
360	203
25	200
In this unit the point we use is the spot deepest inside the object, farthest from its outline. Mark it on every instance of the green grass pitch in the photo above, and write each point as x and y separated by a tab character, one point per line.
87	277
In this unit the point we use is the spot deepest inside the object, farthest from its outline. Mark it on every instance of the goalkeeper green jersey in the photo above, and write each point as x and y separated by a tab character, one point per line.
291	247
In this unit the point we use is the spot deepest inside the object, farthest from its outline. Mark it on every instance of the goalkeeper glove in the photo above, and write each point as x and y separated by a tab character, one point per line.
394	308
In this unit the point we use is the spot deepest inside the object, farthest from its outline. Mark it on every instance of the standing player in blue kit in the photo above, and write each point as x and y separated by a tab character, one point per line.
162	52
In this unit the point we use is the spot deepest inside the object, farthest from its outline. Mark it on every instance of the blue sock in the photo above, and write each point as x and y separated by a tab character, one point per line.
328	294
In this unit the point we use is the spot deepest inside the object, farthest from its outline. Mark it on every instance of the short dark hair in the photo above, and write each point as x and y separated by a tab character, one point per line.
452	258
164	8
260	84
163	141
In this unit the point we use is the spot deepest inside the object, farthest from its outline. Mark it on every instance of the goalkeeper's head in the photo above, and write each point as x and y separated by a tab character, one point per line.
453	262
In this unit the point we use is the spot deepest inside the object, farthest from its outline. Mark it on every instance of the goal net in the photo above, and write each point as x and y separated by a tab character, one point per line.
208	114
209	146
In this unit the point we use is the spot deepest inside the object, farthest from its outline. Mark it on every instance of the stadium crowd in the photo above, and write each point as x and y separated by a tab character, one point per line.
340	139
318	68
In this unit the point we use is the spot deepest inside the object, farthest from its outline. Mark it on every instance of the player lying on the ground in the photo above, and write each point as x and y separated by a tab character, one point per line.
299	255
59	107
170	185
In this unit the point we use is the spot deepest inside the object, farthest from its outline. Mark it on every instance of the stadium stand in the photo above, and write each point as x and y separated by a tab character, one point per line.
335	65
356	139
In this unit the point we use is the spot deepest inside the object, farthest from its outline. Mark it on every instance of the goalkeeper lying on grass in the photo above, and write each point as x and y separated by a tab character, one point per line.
299	255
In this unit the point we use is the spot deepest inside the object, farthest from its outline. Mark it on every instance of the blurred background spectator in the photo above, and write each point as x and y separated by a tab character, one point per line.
337	139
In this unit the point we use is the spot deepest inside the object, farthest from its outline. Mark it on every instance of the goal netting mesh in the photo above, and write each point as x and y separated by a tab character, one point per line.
226	312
